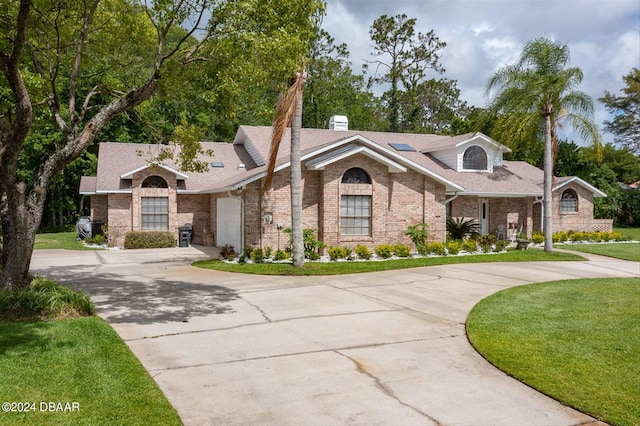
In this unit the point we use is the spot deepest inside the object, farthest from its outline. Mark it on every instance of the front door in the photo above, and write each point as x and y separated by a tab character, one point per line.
229	223
483	215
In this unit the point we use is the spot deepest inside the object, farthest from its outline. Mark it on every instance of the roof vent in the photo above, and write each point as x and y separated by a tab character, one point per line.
241	166
339	122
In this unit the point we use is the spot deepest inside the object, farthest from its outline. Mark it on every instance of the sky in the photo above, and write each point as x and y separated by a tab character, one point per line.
484	35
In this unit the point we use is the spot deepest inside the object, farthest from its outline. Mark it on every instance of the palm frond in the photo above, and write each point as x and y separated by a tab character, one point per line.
285	110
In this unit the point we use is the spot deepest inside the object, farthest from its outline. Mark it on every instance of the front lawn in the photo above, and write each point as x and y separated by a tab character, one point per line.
628	233
80	361
626	251
60	240
353	267
576	341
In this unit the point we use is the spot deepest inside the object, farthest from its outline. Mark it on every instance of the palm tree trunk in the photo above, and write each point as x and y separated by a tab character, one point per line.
297	241
548	179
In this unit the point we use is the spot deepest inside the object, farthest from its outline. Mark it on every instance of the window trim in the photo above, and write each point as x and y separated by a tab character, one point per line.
356	173
355	215
465	159
569	201
154	217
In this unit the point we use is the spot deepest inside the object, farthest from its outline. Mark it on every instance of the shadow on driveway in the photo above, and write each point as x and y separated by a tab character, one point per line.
150	301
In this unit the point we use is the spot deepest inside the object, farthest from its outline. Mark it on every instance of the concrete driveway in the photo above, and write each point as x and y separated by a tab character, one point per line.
379	348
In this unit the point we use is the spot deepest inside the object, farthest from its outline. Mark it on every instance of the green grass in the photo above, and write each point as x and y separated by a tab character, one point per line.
76	360
60	240
576	341
336	268
628	233
626	251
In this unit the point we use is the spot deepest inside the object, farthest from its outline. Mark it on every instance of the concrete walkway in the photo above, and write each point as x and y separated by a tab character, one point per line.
378	348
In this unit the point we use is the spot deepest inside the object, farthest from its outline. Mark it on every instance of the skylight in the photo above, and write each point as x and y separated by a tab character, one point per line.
218	164
402	147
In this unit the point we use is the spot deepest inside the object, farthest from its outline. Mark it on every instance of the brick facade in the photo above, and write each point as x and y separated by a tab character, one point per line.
397	201
582	220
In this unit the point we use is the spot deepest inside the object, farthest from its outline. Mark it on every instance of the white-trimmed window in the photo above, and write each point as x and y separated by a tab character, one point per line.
355	215
155	213
474	158
569	201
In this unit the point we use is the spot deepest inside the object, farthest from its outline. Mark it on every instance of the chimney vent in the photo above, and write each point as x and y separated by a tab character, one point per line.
339	122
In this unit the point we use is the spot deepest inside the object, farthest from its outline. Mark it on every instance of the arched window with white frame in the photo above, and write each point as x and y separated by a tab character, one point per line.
474	158
569	201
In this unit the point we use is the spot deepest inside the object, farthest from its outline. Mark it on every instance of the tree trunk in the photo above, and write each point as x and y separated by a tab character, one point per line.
296	188
548	182
20	221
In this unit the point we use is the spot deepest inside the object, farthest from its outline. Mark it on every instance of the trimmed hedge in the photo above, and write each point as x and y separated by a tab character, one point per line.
149	239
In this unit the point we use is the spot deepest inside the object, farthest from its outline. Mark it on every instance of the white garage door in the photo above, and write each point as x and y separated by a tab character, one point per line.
229	223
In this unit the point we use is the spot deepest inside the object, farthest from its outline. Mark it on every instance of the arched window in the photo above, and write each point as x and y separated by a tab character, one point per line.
569	201
474	158
154	182
356	175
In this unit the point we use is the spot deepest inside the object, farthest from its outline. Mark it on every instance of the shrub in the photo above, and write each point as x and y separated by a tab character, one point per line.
616	236
578	236
281	255
384	251
311	244
42	299
436	248
97	239
500	246
257	255
453	247
363	252
227	252
470	246
560	237
149	239
487	240
537	238
337	252
402	250
459	229
418	234
268	251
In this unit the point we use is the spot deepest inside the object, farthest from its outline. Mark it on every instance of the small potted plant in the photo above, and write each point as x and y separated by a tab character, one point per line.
522	242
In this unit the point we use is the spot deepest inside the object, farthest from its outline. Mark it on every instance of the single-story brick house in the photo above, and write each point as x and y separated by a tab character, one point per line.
359	187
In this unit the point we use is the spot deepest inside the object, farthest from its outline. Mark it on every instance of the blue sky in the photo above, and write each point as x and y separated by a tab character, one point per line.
484	35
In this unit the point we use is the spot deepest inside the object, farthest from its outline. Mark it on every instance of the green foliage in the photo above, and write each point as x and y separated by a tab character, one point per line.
280	255
402	250
363	252
560	237
311	244
257	255
419	235
488	240
470	246
98	239
336	253
625	110
453	247
268	251
384	251
436	248
44	299
149	239
459	228
227	252
500	246
537	237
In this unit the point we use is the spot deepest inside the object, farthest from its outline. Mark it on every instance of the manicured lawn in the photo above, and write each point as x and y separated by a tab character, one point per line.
336	268
60	240
80	360
576	341
626	251
628	233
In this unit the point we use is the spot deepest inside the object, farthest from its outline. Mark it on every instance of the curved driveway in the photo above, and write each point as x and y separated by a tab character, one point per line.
378	348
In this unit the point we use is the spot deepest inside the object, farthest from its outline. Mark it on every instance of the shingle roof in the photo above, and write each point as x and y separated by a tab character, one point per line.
251	147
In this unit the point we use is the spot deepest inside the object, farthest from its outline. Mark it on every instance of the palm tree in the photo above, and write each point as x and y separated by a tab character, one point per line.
289	113
534	97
